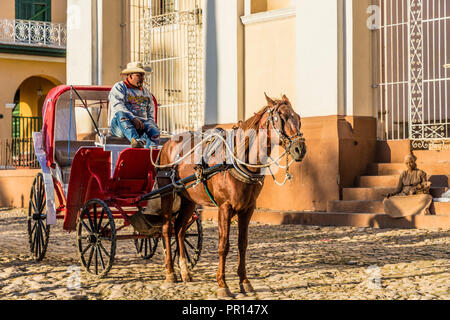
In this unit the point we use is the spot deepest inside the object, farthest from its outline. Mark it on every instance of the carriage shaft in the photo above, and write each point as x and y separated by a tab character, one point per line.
207	174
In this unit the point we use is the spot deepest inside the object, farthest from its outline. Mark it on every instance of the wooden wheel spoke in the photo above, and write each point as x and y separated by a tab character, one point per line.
88	264
85	226
96	259
187	256
86	249
99	225
191	235
96	228
105	251
102	263
91	224
188	243
33	204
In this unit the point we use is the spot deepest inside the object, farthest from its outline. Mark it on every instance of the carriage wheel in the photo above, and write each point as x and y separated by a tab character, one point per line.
193	241
146	247
96	238
38	230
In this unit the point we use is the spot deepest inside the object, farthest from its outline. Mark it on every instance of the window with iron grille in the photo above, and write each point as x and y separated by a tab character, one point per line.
161	7
37	10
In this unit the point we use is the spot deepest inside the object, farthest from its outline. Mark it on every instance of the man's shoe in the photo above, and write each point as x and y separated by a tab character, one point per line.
137	144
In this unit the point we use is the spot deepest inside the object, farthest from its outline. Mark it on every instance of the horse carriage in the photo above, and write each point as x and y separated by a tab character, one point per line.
98	181
91	181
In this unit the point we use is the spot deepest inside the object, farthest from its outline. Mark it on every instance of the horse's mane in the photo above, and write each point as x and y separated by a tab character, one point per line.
253	122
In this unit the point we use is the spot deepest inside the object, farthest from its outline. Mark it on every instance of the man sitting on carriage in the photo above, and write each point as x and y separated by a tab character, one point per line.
132	109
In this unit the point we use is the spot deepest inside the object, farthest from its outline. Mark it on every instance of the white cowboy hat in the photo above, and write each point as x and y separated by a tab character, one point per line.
136	67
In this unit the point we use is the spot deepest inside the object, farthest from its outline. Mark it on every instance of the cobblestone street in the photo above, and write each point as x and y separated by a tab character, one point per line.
284	262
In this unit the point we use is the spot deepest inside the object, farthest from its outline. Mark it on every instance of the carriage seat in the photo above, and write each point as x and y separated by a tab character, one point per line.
116	140
63	156
124	141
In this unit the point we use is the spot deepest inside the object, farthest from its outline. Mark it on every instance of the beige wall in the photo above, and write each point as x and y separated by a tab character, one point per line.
18	70
363	56
59	11
59	8
112	41
267	5
7	9
270	62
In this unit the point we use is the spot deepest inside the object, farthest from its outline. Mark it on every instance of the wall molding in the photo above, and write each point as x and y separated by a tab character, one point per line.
268	16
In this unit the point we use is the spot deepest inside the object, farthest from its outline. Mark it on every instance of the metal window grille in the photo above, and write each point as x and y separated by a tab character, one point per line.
167	35
413	83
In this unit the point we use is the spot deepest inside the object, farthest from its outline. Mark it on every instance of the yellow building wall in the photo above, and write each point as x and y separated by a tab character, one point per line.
112	42
15	72
270	62
363	61
7	9
59	11
30	101
267	5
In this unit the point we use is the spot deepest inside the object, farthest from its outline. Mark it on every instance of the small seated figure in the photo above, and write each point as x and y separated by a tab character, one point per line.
412	195
412	181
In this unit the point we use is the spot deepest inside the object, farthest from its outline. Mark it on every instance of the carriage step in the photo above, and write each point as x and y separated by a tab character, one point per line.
376	206
372	220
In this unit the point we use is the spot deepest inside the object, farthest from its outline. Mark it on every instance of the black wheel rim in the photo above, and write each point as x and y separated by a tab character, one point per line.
146	247
38	230
193	241
96	238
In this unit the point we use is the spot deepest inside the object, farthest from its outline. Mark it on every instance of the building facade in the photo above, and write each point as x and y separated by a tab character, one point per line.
363	74
32	61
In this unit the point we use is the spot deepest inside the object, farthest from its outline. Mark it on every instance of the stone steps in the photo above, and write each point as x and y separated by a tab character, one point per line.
377	193
441	180
376	206
431	168
358	220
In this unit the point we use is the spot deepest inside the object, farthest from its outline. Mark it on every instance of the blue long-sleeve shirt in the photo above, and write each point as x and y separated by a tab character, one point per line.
136	103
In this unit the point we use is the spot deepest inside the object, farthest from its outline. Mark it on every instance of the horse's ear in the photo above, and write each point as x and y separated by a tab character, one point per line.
269	101
285	99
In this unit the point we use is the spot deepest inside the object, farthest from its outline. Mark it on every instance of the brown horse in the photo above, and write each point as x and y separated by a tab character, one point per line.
233	193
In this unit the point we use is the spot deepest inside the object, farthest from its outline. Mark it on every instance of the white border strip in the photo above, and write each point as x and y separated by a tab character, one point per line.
268	16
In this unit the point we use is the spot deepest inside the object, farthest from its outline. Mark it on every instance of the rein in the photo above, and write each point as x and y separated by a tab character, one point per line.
240	168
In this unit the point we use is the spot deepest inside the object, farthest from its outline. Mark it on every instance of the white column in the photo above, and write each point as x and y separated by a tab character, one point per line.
317	57
348	57
79	42
223	66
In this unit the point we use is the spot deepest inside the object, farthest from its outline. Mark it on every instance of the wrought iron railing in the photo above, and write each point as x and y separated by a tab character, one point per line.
33	33
17	153
23	127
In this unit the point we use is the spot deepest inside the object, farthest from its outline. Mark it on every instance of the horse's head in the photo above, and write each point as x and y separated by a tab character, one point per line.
287	124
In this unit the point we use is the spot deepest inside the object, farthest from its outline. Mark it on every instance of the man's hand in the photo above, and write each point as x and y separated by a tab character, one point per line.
138	124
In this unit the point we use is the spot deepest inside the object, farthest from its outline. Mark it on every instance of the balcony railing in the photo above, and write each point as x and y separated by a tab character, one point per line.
17	153
33	33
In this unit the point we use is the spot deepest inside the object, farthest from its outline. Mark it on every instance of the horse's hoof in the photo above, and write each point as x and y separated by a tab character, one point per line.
171	278
186	277
224	293
246	287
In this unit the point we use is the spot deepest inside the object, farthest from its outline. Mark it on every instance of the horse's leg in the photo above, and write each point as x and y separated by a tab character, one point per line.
225	214
166	208
186	210
243	222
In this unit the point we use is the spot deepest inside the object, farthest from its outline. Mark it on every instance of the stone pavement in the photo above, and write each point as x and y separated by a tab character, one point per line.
284	262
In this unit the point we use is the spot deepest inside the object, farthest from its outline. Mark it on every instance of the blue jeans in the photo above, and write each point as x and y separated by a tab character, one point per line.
122	126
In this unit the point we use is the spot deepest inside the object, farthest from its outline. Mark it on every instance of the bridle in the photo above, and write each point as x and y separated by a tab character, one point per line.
286	141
